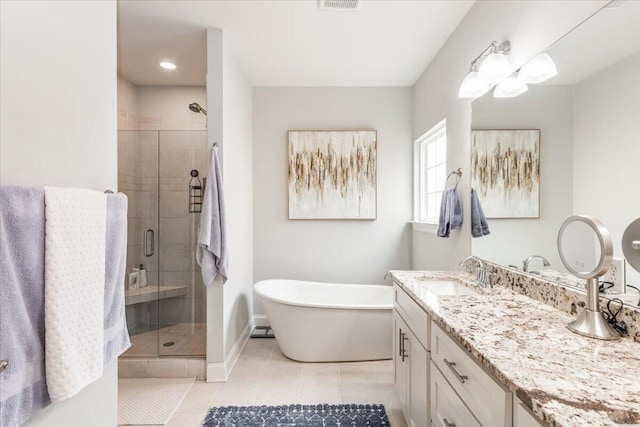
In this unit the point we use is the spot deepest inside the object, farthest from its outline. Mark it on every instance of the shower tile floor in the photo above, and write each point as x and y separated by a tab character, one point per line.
189	340
264	376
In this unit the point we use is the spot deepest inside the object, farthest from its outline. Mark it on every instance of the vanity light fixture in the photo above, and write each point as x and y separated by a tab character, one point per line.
494	68
510	88
168	65
538	69
472	86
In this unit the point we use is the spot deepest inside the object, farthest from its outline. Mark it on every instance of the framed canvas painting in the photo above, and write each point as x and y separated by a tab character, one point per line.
505	172
332	174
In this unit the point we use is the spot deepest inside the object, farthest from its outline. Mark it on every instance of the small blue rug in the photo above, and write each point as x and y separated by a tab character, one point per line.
298	416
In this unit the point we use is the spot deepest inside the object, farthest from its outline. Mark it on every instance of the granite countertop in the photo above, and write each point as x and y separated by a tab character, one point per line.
566	380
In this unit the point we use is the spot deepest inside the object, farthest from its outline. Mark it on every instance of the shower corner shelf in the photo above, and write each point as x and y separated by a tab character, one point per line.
153	293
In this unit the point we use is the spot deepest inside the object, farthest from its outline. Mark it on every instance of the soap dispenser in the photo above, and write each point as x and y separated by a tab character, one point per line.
143	276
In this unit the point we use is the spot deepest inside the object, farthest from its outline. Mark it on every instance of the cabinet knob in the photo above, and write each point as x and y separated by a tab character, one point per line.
447	423
3	365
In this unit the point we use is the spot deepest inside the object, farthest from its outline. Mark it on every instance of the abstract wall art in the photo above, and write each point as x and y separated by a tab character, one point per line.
332	174
505	172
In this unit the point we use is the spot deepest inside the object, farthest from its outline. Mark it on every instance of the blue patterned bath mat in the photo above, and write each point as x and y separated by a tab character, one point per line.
298	416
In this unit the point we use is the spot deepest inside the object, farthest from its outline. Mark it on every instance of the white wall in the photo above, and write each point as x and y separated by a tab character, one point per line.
531	27
229	123
548	108
606	149
238	184
58	115
215	293
332	251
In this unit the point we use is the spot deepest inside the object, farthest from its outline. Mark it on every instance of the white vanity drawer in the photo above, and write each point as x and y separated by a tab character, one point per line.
417	319
489	401
522	417
447	409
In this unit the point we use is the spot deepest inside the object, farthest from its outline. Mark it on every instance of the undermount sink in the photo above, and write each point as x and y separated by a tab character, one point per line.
446	287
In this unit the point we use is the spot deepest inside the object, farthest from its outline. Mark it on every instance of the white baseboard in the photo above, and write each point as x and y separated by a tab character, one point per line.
219	372
260	320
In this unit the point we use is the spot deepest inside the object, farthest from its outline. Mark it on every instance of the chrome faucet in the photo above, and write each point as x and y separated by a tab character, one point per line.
525	263
482	275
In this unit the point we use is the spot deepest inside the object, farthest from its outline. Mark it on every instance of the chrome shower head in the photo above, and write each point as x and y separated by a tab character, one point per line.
196	108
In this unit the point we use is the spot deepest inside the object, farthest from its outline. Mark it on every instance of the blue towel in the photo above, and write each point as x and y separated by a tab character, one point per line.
479	226
23	387
212	251
450	212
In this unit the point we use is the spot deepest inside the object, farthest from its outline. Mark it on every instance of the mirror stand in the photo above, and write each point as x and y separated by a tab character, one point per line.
591	322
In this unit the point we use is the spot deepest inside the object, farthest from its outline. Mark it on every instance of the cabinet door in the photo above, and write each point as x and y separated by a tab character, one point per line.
401	367
418	383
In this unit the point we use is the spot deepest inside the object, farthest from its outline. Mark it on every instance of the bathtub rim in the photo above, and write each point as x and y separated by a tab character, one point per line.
257	288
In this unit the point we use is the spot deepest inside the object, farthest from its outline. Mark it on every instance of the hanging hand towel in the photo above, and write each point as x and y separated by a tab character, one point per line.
479	226
116	336
212	252
450	212
74	280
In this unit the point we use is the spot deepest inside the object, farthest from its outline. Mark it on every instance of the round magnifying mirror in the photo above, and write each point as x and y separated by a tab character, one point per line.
585	246
631	244
586	250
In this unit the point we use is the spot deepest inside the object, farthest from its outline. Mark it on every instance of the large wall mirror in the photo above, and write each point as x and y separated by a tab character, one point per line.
588	117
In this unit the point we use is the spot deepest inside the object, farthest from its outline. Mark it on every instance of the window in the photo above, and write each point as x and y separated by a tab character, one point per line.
430	173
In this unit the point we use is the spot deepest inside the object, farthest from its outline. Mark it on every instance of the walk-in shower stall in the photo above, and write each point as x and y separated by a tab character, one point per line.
162	173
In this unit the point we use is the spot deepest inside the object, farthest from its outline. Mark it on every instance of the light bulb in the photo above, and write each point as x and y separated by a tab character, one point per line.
472	86
495	68
538	69
168	65
510	88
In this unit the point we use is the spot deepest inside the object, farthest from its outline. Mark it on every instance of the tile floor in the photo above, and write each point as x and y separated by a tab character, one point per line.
264	376
189	340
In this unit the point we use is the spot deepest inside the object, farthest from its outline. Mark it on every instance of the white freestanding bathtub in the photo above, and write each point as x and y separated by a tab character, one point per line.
329	322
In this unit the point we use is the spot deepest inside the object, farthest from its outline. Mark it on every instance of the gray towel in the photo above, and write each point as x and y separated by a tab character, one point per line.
212	252
116	337
450	212
23	387
479	226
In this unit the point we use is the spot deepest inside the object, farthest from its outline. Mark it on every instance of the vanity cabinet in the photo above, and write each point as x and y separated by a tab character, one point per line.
489	402
411	358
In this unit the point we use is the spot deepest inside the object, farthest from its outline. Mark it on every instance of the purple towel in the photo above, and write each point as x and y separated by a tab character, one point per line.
23	389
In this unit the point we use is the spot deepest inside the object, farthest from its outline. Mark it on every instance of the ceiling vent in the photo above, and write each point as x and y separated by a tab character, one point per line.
339	4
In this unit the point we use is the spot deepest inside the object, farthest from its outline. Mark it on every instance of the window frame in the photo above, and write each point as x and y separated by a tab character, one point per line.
419	192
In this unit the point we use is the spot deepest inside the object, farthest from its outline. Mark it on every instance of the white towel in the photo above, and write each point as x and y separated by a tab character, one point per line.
74	289
212	252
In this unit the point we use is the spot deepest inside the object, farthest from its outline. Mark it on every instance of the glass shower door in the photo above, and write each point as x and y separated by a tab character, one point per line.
182	154
167	316
138	179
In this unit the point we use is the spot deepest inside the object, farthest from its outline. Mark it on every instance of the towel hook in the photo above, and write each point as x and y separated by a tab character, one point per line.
457	173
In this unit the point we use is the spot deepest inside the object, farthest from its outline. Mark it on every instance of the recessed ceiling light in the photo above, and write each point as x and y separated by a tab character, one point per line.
168	65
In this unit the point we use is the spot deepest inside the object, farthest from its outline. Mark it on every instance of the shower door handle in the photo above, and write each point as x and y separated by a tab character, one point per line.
149	243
